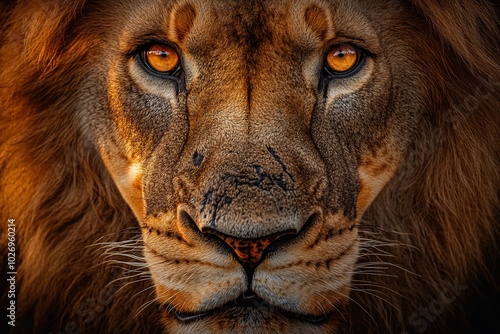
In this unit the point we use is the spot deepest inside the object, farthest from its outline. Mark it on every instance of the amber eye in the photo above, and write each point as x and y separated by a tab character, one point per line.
161	58
342	58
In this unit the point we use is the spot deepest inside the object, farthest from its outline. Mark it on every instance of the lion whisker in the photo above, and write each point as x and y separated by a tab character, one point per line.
327	283
373	292
332	304
167	304
380	229
360	283
129	277
146	305
133	282
129	263
372	273
144	290
131	256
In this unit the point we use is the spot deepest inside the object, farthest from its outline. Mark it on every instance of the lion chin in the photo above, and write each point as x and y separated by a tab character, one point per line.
244	316
263	166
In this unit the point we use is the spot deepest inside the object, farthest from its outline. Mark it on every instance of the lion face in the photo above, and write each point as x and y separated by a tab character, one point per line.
249	138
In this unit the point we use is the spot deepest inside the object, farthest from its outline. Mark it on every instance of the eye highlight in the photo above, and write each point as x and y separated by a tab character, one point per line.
161	59
343	59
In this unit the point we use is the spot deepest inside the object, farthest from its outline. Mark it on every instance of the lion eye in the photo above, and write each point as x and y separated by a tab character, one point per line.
342	59
161	58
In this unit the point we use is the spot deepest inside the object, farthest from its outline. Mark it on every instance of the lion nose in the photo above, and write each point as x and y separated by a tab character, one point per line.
250	251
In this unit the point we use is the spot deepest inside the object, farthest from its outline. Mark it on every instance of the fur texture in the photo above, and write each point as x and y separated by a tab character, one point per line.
428	243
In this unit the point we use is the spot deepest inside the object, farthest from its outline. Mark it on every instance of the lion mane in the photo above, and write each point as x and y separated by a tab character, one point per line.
441	210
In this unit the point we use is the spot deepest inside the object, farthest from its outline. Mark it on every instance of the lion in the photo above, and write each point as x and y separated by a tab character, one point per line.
206	166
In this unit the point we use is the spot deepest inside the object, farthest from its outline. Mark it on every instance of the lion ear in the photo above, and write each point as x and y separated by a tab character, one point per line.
470	28
45	27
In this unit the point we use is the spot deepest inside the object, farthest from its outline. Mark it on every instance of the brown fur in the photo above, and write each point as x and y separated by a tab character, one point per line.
434	223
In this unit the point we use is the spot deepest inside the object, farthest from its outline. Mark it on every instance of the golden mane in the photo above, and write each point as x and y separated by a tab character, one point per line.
441	210
55	185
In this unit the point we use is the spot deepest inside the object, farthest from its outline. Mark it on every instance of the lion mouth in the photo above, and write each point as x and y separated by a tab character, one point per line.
249	301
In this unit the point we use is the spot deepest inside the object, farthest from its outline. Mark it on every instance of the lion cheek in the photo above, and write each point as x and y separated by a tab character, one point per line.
131	189
128	179
374	173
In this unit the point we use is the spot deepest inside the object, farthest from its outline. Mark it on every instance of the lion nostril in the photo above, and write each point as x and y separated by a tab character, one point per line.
186	220
249	251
